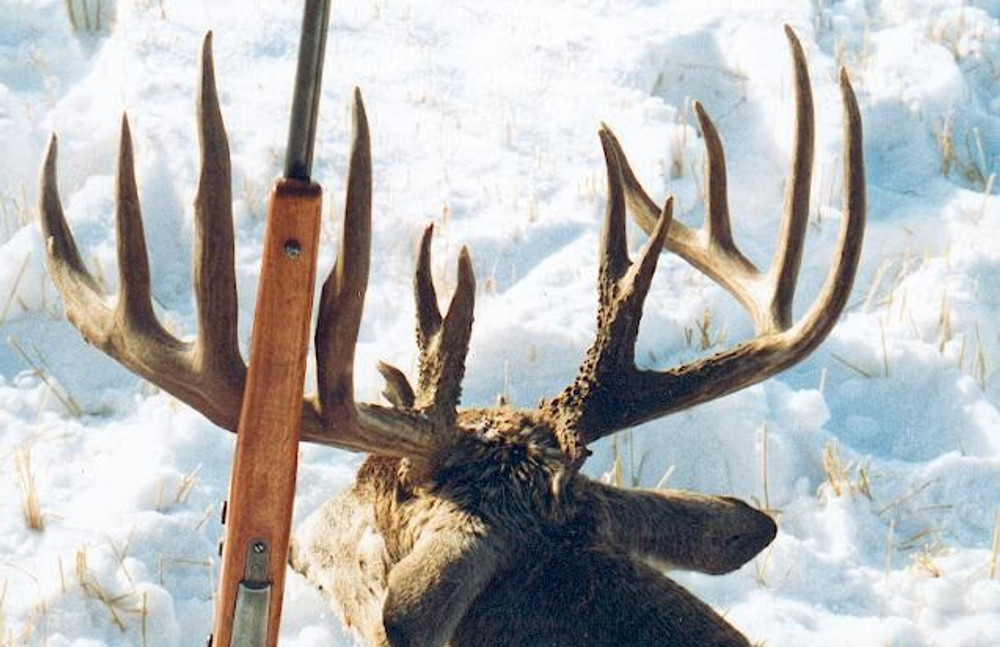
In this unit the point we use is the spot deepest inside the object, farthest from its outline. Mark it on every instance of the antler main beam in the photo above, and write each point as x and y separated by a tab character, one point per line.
610	393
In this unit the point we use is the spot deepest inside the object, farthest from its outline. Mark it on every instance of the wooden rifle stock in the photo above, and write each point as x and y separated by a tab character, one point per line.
262	487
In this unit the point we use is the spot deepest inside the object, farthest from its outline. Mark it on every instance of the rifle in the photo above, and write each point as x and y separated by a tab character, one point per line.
258	514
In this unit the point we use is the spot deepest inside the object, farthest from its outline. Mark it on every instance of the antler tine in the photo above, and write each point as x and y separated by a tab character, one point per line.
135	304
717	227
610	393
718	256
334	418
795	216
207	374
767	298
214	265
710	250
428	314
83	298
343	295
63	259
623	286
130	332
822	316
443	343
614	245
656	394
447	359
397	389
601	384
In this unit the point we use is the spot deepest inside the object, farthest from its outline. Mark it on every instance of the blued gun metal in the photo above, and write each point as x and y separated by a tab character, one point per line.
253	599
308	82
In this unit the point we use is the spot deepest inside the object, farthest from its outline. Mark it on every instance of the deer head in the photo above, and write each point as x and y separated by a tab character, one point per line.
475	526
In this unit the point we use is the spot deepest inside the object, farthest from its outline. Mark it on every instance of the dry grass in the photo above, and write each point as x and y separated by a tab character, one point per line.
844	478
967	160
762	566
118	606
144	614
964	343
39	368
701	335
88	16
851	365
876	283
995	554
149	5
616	476
946	146
588	189
678	141
30	506
926	539
186	485
205	516
667	473
945	332
62	575
184	488
29	625
905	497
201	564
978	366
12	294
763	467
890	540
987	192
838	474
924	562
979	370
954	31
121	553
14	211
625	473
854	59
4	640
885	350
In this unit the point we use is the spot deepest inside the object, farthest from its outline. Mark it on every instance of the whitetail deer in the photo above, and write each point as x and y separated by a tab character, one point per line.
476	527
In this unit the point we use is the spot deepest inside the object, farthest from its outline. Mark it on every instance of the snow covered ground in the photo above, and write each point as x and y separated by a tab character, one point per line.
880	454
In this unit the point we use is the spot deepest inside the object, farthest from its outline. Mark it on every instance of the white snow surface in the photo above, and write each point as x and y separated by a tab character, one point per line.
484	119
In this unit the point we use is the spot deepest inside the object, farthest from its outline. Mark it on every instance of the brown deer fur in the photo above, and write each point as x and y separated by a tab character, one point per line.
498	545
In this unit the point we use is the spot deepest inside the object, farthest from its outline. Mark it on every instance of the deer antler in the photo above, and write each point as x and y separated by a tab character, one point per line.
209	373
610	393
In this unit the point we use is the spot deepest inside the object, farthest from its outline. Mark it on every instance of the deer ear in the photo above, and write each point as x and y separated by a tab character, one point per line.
709	534
431	589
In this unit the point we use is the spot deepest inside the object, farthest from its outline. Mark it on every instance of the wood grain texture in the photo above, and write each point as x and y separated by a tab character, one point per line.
262	487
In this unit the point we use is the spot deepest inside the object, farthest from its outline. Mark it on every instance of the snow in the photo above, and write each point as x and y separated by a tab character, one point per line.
484	119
